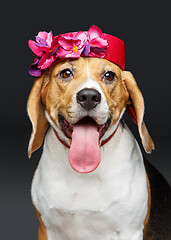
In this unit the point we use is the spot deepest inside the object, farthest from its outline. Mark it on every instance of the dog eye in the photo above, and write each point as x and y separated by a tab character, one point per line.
66	73
109	76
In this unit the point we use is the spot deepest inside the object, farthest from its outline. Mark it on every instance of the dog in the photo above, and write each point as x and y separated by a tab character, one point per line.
92	181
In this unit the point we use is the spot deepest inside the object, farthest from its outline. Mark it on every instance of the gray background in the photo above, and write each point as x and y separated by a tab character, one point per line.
145	28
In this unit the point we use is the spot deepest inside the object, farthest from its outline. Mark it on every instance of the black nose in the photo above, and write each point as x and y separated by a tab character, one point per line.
88	98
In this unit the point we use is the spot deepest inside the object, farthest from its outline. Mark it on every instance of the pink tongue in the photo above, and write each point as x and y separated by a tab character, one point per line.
84	153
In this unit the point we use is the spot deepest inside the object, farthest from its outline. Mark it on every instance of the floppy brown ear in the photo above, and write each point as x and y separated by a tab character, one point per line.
37	116
138	104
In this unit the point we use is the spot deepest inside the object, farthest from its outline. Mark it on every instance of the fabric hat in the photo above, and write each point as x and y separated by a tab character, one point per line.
49	49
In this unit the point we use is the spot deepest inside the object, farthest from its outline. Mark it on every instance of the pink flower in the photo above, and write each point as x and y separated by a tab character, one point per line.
45	51
95	46
48	49
71	47
42	44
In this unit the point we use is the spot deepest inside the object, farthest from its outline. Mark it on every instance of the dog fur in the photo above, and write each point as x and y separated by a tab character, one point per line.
112	202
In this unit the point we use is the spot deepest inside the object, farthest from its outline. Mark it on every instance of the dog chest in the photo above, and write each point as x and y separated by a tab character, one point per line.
90	206
86	213
84	225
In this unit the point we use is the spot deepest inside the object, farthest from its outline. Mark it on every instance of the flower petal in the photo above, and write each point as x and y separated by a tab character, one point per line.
33	69
55	43
43	35
74	54
49	39
94	32
98	52
43	49
36	50
99	42
86	50
46	61
67	42
82	36
61	52
40	42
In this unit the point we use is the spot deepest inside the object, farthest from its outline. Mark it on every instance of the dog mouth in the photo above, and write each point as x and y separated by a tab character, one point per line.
67	128
85	135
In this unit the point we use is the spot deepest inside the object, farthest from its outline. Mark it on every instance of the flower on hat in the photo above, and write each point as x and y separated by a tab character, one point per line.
95	46
71	47
49	49
45	52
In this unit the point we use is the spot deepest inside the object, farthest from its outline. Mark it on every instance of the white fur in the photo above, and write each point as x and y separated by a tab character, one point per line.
107	204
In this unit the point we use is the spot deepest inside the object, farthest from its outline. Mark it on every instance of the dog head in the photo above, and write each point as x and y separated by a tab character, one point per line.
85	93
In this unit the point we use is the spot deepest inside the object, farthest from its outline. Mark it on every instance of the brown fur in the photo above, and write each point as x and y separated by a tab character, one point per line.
37	117
138	103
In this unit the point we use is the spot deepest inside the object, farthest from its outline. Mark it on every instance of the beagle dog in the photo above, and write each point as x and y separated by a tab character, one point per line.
91	182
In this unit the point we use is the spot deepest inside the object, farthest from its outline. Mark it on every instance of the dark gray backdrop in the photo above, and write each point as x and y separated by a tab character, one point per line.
145	28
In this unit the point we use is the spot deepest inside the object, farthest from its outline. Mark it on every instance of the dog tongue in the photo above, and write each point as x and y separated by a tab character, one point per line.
84	153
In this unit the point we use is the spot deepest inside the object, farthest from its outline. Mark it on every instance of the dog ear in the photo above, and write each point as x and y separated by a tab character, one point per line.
37	116
138	104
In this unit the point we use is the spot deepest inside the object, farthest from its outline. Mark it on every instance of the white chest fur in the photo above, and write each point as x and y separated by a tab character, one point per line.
107	204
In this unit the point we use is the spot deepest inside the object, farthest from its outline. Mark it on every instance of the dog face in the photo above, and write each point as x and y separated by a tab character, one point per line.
84	88
90	90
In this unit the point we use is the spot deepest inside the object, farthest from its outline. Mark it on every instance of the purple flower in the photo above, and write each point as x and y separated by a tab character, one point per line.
34	70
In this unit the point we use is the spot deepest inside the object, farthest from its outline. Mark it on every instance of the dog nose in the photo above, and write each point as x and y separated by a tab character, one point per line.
88	98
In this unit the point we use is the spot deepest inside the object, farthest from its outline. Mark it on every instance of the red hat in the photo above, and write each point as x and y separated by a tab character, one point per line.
93	43
116	50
